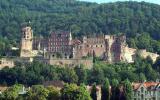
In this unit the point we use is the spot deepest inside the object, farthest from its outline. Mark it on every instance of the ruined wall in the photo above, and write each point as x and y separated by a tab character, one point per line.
26	42
88	63
115	48
129	54
90	47
145	54
6	62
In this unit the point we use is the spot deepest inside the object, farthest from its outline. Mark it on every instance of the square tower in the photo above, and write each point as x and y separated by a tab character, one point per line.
26	42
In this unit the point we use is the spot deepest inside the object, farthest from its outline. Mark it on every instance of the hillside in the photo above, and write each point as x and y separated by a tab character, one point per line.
139	21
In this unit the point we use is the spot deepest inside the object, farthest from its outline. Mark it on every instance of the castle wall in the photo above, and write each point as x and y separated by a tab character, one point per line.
26	42
6	62
115	48
90	47
111	48
129	54
88	63
145	54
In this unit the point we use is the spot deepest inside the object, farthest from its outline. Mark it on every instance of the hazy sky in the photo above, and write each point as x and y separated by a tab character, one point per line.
104	1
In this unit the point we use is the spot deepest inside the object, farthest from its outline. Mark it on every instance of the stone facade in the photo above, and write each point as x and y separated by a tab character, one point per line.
115	48
129	54
58	43
6	62
90	47
110	48
88	63
145	54
26	42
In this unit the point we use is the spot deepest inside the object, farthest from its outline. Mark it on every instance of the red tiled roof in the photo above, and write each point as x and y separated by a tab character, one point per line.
146	84
149	84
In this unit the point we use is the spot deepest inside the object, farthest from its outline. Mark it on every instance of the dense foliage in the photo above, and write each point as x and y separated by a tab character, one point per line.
82	18
68	92
36	73
105	90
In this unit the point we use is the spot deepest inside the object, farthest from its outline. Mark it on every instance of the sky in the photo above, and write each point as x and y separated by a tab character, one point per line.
105	1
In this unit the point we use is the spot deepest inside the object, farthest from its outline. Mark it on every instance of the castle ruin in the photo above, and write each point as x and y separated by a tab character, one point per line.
60	45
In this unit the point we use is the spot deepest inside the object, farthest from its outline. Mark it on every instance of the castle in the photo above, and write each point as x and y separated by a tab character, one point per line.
61	49
61	45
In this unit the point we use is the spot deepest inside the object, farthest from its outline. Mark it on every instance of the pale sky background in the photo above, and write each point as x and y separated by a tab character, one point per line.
105	1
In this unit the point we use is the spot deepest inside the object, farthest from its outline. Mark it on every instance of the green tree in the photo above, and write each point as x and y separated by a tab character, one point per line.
13	92
115	89
81	73
105	90
54	93
73	92
142	77
37	92
82	93
97	75
128	90
69	75
68	92
94	92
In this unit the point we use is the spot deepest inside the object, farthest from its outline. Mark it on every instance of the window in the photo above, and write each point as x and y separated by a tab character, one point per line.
145	92
138	93
135	93
142	96
142	89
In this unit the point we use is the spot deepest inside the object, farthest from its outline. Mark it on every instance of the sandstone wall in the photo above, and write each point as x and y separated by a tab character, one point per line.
129	54
145	54
6	62
88	63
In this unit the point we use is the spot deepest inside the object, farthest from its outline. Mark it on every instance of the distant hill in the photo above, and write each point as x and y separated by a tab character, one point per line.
82	18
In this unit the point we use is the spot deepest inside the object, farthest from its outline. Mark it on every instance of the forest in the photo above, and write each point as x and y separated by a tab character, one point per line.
76	79
139	21
36	73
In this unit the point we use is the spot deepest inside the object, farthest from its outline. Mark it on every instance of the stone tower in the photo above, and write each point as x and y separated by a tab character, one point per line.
115	48
26	42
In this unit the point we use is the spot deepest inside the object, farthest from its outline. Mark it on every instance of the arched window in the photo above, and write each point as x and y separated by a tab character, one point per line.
142	89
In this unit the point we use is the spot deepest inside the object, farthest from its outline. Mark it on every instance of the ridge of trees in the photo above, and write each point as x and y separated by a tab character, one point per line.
135	19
